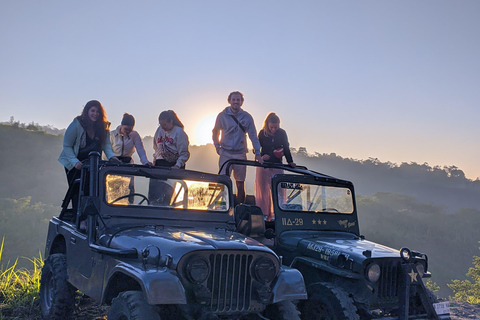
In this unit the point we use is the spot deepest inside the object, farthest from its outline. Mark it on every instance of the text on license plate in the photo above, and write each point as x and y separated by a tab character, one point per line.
442	307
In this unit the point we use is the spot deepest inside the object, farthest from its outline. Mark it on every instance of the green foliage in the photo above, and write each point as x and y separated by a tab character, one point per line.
432	286
19	289
465	290
25	225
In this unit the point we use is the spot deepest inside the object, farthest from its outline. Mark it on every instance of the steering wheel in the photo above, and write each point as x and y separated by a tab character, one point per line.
144	198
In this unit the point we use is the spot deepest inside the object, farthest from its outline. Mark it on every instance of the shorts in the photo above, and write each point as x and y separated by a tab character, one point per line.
239	172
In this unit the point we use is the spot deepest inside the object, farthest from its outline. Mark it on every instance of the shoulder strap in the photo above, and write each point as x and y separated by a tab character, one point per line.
239	124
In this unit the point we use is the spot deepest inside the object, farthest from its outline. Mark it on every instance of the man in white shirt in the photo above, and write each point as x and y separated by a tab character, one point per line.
232	125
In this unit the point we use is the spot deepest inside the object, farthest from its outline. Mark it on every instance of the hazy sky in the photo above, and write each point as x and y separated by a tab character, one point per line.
394	80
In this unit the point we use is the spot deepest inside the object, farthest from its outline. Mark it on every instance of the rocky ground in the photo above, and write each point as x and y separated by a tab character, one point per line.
463	310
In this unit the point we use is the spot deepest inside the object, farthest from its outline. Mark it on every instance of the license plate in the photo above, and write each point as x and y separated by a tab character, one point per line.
442	307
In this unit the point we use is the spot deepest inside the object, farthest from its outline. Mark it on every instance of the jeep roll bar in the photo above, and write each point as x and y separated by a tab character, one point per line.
298	169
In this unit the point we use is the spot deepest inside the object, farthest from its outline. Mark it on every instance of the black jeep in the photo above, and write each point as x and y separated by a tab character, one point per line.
158	243
316	231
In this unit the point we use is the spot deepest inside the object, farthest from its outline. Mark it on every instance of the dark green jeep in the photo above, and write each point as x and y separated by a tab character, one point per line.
158	243
316	231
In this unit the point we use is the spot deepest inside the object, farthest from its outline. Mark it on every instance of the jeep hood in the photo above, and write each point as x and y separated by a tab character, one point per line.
177	242
357	250
324	246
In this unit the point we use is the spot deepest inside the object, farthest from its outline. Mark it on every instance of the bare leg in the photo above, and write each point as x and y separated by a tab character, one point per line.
240	191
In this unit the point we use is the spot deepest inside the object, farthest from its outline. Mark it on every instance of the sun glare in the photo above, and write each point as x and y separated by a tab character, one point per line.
203	130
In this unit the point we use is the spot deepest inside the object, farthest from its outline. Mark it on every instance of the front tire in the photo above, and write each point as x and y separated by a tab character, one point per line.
283	310
328	303
57	295
132	305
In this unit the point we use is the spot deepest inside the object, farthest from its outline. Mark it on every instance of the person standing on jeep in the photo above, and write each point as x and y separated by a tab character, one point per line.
275	146
170	142
88	132
125	141
229	138
170	145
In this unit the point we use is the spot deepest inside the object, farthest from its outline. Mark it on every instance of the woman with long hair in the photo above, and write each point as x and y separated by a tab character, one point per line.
170	142
274	146
88	132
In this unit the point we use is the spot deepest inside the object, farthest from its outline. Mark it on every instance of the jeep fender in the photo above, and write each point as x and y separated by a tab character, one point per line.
161	286
289	285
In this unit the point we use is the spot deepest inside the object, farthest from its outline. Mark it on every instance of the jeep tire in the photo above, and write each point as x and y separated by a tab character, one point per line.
57	295
328	302
132	305
283	310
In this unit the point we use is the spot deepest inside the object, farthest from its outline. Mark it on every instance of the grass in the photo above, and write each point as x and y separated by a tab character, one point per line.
19	289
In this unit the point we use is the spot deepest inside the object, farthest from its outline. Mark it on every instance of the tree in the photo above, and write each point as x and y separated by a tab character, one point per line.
464	290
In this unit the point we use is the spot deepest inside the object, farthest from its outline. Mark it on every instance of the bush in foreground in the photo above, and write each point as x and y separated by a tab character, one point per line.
19	289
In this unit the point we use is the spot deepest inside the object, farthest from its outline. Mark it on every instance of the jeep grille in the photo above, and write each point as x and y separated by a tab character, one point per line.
390	279
230	282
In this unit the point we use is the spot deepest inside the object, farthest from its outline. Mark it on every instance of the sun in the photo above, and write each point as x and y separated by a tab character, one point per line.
203	130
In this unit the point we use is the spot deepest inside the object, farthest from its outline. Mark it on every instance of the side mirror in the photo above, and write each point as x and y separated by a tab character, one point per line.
269	234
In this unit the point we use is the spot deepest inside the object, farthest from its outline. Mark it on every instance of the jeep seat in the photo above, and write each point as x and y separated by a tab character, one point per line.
249	220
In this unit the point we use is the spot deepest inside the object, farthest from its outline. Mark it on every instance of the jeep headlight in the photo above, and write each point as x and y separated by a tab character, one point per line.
198	270
373	272
405	254
264	270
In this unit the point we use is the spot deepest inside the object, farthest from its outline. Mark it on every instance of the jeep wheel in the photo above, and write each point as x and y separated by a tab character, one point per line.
283	310
57	295
328	303
131	305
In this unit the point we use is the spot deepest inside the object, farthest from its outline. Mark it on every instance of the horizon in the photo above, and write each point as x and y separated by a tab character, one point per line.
389	80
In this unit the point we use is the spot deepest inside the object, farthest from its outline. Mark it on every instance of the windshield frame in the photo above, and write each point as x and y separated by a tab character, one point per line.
310	220
157	212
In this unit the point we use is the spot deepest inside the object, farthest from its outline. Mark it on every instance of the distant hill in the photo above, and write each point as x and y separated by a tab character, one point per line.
447	186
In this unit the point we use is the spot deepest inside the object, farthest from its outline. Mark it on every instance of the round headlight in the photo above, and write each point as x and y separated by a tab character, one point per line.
420	269
264	270
373	272
198	270
405	253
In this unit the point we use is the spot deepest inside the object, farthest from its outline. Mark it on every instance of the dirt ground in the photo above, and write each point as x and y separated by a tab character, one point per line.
463	311
87	309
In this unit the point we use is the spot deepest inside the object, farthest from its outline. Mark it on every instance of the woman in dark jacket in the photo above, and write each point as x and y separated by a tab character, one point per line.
275	146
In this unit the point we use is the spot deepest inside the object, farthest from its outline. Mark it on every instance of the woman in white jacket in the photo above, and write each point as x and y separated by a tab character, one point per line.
125	141
170	142
171	150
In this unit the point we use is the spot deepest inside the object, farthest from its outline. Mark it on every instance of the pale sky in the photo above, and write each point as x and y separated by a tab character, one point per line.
393	80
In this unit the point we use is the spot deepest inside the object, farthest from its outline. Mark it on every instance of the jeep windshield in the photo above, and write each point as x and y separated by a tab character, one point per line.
293	196
159	191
